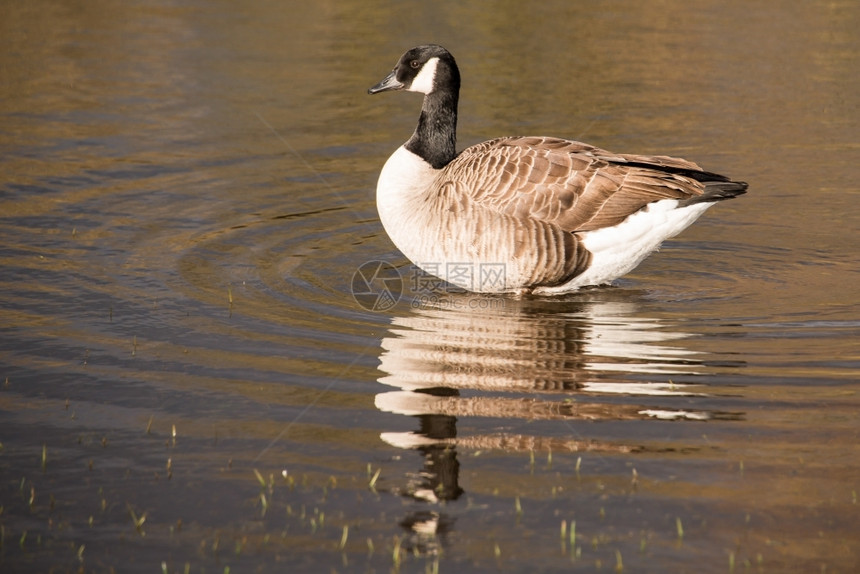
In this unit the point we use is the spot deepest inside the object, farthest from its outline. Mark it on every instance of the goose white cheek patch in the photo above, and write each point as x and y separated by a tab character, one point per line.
423	82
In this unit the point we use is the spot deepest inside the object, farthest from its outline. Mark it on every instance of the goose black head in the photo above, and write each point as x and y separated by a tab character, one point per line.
424	69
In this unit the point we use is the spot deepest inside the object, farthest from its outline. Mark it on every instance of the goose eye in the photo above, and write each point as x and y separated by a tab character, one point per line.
415	64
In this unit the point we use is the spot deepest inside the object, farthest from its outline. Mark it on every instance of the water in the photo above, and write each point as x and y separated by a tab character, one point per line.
188	384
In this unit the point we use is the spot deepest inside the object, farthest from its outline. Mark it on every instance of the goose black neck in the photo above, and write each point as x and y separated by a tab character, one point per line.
435	138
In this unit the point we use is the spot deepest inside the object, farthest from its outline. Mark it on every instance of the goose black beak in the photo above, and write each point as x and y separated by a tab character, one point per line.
388	83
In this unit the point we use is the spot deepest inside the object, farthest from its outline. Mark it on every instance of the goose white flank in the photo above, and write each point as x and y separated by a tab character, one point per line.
526	214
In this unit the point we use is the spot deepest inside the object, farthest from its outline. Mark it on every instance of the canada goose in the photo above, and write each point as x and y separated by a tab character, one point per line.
525	214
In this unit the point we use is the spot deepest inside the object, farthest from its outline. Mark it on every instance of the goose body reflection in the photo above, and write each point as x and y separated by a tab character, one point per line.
510	374
522	361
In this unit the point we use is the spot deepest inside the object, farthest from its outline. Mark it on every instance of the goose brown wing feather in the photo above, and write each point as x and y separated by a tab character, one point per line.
575	186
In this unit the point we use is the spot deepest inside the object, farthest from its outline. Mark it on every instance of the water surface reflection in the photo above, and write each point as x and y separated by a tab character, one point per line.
497	365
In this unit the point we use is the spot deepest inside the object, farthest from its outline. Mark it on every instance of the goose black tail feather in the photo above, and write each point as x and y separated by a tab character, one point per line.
717	191
717	187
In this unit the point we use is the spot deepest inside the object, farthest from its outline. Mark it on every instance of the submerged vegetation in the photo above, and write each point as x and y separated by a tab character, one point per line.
237	515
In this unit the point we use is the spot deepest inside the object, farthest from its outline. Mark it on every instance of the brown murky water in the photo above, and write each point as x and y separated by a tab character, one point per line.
188	385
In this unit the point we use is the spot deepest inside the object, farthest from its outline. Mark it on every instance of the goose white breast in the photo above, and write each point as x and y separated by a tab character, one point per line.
526	214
